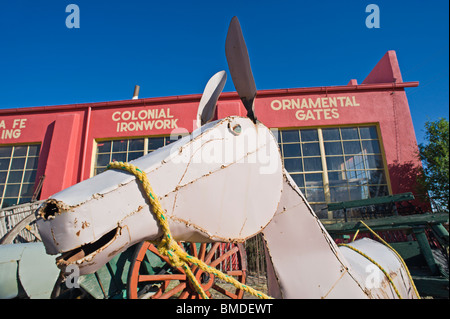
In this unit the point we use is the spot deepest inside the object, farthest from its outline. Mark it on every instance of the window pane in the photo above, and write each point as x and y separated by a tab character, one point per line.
120	157
360	192
120	146
376	177
290	136
339	194
155	143
136	145
298	179
24	200
3	177
313	180
20	151
291	150
333	148
134	155
293	165
4	163
18	163
33	150
32	163
376	191
374	161
349	133
30	176
331	134
7	202
352	147
103	159
15	177
369	132
311	149
315	194
312	164
309	135
371	146
98	170
357	176
335	163
104	147
12	190
337	179
354	162
5	151
27	190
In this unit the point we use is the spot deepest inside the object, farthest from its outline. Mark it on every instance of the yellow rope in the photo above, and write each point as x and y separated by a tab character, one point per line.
379	266
356	234
169	247
376	264
397	254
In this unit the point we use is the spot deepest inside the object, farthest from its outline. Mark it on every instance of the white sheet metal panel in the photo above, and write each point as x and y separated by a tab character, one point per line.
371	276
306	261
9	263
225	182
37	271
221	183
211	93
26	265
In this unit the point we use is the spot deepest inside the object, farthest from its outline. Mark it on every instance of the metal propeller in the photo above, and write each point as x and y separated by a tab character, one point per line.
211	93
239	65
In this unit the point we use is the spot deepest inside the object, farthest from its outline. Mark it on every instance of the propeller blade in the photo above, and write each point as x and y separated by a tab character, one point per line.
208	102
239	65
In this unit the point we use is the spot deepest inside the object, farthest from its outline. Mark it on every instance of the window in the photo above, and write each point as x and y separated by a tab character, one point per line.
18	167
354	163
334	164
302	159
117	150
125	150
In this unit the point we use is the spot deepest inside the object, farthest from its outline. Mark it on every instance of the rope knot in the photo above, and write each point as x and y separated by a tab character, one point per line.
174	259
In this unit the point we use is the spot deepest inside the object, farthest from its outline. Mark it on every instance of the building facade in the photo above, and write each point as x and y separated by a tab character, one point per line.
339	143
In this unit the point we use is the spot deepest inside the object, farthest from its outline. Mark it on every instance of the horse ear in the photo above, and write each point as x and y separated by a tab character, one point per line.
239	66
208	102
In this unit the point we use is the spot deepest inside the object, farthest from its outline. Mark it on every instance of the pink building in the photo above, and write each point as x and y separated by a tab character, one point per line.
339	143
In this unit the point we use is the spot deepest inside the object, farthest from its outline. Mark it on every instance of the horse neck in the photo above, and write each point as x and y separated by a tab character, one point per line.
303	260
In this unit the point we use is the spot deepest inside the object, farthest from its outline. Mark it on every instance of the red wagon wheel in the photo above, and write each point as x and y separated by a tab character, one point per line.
151	276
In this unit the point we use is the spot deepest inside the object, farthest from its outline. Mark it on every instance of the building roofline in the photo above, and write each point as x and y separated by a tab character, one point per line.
223	96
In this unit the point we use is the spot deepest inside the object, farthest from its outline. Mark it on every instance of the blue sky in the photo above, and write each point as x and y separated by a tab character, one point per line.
174	47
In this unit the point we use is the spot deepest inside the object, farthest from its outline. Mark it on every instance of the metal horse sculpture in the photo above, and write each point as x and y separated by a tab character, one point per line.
224	182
